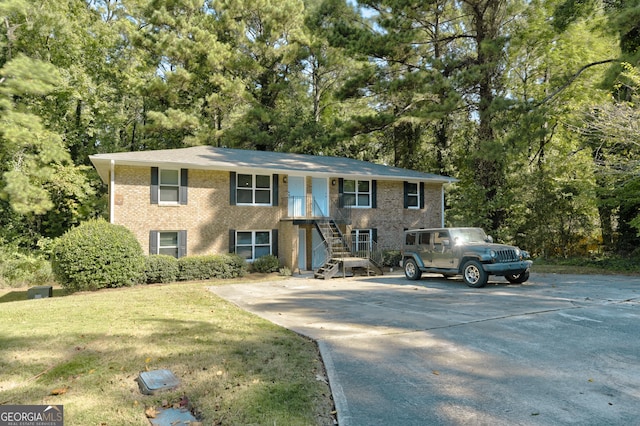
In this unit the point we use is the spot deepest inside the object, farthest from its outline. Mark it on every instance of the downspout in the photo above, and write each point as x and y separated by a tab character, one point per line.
112	191
442	204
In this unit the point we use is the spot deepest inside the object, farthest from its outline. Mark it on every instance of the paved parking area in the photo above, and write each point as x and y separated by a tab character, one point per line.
559	349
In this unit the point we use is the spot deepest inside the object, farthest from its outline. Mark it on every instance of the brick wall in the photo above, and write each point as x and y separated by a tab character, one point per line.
390	218
208	216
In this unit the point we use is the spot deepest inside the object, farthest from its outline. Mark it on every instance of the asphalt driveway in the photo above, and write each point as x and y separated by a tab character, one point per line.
559	349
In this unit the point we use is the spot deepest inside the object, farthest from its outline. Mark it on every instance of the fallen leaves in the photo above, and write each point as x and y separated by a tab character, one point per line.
59	391
151	412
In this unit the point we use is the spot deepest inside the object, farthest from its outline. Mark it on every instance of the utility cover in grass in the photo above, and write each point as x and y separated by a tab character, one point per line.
173	417
157	380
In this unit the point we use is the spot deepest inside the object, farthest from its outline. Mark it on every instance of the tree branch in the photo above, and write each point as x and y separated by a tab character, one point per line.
572	79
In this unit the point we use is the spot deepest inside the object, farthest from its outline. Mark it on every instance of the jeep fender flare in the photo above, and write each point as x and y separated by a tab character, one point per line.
417	259
464	259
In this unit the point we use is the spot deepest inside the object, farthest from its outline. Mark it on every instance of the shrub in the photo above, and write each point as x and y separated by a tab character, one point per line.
285	272
18	269
391	258
206	267
98	254
161	268
238	264
266	264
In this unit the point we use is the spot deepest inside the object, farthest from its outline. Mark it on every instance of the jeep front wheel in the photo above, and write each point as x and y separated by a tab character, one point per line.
517	278
411	270
473	274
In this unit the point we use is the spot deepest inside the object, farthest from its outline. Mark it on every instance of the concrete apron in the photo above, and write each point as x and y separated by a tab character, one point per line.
556	350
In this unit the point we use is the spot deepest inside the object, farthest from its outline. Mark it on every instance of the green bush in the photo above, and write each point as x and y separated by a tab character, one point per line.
266	264
98	254
221	266
161	268
391	258
18	269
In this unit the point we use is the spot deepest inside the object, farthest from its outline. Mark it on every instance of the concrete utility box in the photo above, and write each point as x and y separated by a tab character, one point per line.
157	380
40	292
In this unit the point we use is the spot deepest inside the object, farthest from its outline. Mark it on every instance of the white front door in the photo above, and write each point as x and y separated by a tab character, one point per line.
297	204
320	193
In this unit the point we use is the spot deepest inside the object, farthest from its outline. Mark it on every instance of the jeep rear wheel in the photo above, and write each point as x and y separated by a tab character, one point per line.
411	270
517	278
473	274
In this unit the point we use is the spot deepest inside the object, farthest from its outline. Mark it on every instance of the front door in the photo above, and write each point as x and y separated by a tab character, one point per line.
297	204
320	193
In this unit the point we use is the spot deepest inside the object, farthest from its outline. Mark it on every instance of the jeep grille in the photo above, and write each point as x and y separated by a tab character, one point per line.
506	256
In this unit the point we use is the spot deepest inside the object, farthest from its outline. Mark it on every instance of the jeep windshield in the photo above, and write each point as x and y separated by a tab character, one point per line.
468	235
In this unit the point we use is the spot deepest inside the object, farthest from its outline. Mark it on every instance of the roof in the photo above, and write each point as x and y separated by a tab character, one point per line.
240	160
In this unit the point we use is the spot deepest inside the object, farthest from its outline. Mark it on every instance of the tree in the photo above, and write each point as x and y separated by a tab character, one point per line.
612	130
36	168
29	150
267	38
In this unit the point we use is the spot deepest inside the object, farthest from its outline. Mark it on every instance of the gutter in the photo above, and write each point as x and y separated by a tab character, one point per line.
112	191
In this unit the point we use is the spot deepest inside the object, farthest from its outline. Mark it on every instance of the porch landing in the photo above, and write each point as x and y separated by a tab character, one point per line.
347	266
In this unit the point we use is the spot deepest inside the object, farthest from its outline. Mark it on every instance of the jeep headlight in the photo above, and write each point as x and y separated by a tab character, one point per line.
518	252
493	254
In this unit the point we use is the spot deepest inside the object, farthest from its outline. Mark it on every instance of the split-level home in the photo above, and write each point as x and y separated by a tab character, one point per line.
326	214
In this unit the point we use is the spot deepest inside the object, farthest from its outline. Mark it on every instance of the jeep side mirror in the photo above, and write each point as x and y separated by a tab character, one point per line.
489	239
446	242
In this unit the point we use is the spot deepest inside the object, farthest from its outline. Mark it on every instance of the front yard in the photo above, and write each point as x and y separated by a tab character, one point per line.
86	350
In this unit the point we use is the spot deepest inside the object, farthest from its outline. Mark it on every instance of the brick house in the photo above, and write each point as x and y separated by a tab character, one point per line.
305	209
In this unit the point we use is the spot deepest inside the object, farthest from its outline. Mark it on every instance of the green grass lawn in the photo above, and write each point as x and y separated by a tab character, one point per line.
89	348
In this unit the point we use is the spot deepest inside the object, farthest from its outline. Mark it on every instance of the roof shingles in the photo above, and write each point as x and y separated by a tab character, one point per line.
208	157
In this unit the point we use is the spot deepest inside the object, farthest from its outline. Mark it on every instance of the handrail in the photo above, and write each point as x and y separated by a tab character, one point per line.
307	207
321	250
339	211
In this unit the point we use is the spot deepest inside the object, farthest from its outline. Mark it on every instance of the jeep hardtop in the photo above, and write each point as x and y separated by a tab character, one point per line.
469	252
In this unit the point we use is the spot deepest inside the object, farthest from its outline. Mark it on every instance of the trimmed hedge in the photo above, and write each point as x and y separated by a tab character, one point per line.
161	268
266	264
206	267
96	255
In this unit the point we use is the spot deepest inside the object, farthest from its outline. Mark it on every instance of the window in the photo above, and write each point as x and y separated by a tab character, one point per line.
252	245
170	243
410	239
357	193
413	195
169	186
424	239
253	189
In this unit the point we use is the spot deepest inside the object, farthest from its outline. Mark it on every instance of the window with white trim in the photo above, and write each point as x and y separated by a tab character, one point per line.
357	193
253	189
168	243
169	186
413	195
252	245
